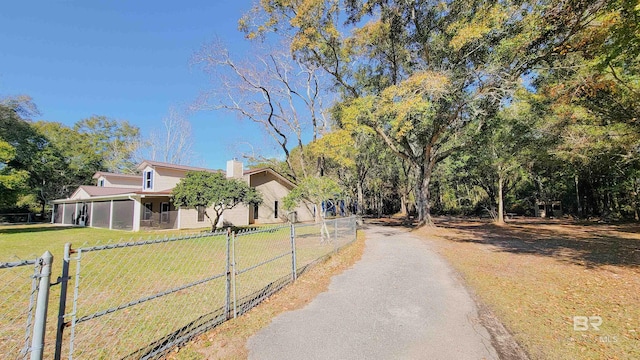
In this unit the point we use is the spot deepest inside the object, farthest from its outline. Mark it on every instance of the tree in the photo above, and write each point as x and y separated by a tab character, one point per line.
588	96
416	73
173	142
579	58
21	147
73	154
501	152
12	181
420	120
277	92
206	189
480	48
68	161
317	190
313	189
115	142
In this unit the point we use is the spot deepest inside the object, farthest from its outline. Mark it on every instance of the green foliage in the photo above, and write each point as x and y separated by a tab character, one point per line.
20	149
12	181
114	142
207	189
313	189
43	161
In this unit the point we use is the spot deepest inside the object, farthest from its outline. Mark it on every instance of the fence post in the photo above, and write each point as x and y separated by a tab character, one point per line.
37	341
294	273
227	303
64	283
233	273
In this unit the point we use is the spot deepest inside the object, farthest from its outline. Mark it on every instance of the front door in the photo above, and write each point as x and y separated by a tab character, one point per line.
81	217
164	212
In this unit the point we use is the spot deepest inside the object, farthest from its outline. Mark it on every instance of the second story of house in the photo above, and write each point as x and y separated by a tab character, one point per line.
111	180
158	176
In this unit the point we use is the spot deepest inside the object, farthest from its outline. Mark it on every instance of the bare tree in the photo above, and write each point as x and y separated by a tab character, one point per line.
272	90
172	142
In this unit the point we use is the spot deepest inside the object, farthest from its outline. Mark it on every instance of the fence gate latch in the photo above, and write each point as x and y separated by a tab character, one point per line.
60	280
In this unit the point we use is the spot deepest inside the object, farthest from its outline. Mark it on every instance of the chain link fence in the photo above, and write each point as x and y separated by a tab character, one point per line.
140	299
19	288
136	299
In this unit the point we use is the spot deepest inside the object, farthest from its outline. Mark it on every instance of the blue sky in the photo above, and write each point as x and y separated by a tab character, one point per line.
127	60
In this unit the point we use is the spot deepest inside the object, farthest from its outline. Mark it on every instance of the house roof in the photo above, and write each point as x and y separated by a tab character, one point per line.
162	192
122	176
106	191
155	164
270	170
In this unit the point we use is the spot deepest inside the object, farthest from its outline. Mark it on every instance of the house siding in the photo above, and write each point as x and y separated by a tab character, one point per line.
189	218
238	216
274	189
304	212
80	194
166	179
114	182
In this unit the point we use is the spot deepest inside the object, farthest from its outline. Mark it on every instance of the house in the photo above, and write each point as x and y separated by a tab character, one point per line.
134	202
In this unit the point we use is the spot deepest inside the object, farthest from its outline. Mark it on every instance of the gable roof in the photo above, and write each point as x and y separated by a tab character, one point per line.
105	191
114	175
165	165
269	170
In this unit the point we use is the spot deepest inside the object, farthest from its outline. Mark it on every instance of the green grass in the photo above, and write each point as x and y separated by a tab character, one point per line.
31	241
112	278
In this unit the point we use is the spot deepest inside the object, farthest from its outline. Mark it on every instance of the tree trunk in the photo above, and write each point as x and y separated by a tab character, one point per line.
214	223
423	195
578	197
360	197
635	200
319	214
404	207
500	219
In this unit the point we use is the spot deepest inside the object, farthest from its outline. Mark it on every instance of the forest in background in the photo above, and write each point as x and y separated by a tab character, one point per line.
422	107
465	107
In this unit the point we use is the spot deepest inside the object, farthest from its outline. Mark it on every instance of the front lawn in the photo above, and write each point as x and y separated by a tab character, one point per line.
20	242
565	290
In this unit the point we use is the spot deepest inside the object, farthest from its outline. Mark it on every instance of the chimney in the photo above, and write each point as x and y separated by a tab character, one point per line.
234	169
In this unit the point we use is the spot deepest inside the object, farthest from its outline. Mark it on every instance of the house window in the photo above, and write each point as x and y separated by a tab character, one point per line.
255	211
147	180
275	209
200	213
164	212
148	211
101	182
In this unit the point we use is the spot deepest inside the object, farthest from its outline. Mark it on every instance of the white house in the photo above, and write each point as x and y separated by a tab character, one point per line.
134	202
